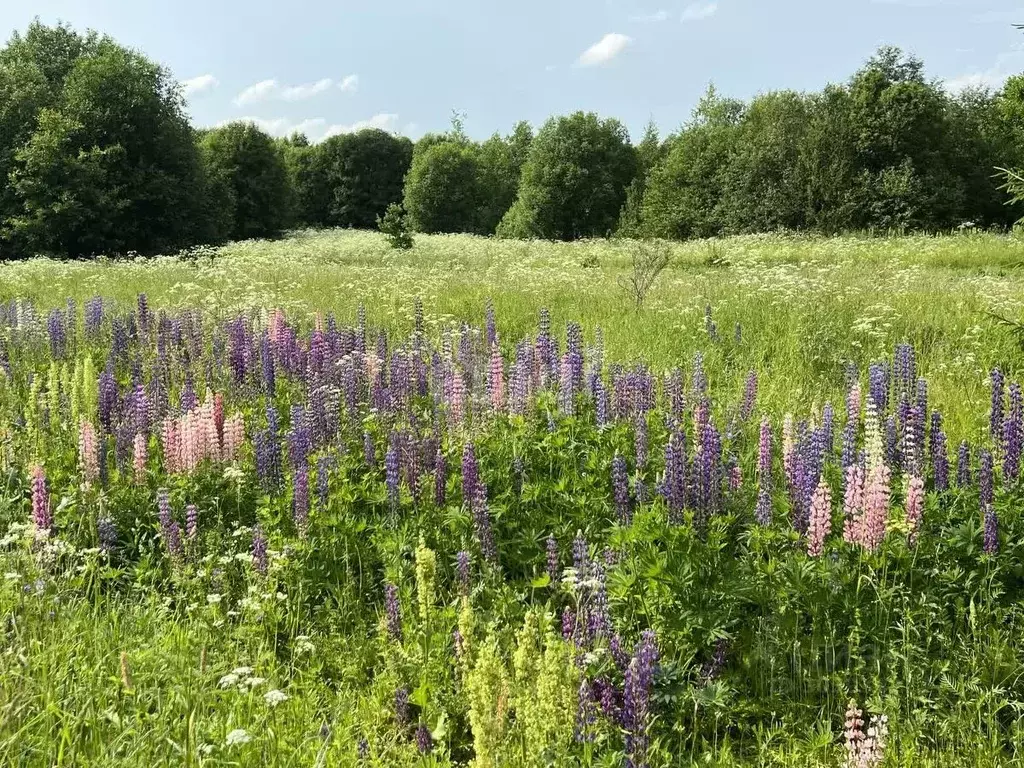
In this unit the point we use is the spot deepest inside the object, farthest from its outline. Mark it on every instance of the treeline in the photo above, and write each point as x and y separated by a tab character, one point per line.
97	157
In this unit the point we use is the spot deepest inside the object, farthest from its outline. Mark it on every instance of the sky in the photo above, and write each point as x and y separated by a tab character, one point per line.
330	66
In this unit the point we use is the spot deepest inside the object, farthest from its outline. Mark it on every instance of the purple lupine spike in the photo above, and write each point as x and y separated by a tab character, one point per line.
300	499
892	452
392	613
268	460
482	525
996	413
492	326
598	617
58	334
363	749
586	715
940	457
878	385
991	532
619	654
462	571
440	478
260	560
107	533
574	354
1013	434
641	442
601	404
107	399
168	526
749	396
963	465
827	431
620	488
267	365
191	521
568	623
674	487
580	556
713	666
470	474
369	450
424	741
42	516
709	474
636	697
674	395
402	716
849	451
391	477
93	317
553	569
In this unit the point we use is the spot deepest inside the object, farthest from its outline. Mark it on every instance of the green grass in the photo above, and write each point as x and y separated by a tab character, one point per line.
807	308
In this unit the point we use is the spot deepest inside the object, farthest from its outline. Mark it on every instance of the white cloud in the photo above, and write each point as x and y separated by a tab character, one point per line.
199	84
283	126
648	18
386	121
1007	64
604	50
261	91
306	90
267	90
698	11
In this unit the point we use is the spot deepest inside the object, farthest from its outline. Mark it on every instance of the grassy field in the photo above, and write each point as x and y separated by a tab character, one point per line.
141	659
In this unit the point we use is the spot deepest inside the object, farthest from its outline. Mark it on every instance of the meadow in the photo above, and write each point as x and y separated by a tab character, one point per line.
319	502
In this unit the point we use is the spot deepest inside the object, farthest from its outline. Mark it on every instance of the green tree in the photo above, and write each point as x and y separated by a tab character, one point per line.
442	189
684	193
110	164
358	175
246	161
574	181
650	153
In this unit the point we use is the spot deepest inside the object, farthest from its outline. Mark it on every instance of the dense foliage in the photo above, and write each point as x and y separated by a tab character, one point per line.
444	547
97	157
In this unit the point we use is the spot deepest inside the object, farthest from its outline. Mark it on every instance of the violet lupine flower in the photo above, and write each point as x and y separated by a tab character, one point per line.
675	483
601	404
568	624
599	620
402	707
641	442
267	366
191	521
991	533
260	561
107	399
1013	435
268	460
963	465
482	525
470	474
709	473
369	451
107	533
553	560
424	741
58	334
820	523
712	668
620	487
168	526
995	422
462	571
586	715
440	478
749	396
940	458
905	368
878	386
392	613
763	508
636	697
300	499
93	316
391	473
363	749
41	514
700	379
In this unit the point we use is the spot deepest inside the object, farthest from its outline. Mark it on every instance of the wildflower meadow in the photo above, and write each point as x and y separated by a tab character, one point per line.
316	502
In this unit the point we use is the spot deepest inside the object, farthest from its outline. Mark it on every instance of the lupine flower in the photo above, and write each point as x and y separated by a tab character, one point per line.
424	741
1013	434
482	525
963	465
392	613
713	666
853	505
985	477
41	514
191	521
876	507
369	451
749	396
402	707
462	571
915	506
641	442
234	436
991	532
585	714
168	526
820	522
140	453
553	560
496	379
636	697
391	473
260	560
440	478
620	487
107	533
853	736
88	459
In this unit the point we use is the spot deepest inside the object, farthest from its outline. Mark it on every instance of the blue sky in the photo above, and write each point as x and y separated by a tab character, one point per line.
327	66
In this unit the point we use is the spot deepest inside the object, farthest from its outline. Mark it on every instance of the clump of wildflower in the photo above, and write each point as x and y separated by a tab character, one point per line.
392	613
424	741
820	519
637	688
41	514
169	528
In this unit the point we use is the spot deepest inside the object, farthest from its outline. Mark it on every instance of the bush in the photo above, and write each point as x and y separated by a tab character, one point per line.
394	225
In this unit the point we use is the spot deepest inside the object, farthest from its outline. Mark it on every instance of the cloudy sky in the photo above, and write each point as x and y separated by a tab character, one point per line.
328	66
